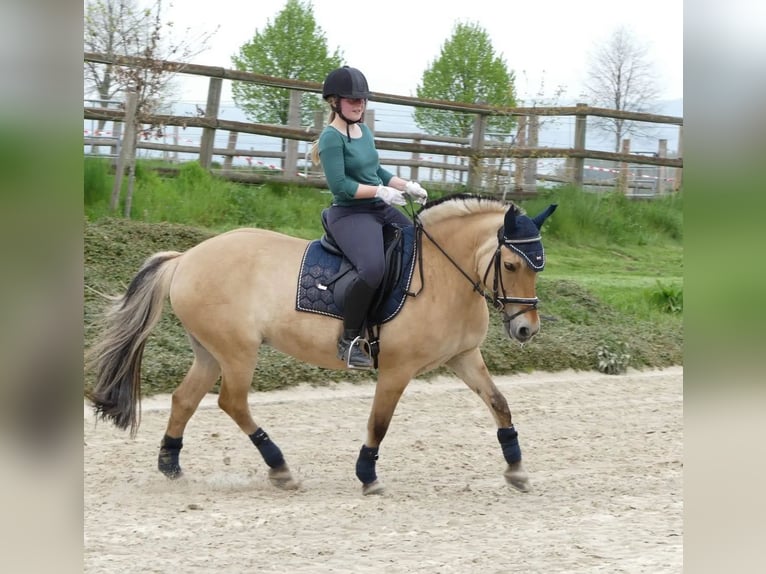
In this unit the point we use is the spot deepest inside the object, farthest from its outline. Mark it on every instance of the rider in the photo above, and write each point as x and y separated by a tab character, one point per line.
363	198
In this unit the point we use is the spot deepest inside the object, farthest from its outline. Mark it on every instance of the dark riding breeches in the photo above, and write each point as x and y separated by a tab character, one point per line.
358	231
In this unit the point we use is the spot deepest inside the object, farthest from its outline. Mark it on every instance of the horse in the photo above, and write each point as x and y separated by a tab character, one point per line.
235	292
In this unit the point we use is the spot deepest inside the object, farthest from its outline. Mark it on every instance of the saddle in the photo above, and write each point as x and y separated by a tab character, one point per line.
393	250
325	275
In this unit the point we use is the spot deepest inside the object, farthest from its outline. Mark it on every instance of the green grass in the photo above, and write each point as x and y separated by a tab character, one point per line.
627	254
611	293
196	197
625	277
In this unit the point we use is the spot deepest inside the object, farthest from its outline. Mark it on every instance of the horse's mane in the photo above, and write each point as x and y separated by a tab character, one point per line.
460	204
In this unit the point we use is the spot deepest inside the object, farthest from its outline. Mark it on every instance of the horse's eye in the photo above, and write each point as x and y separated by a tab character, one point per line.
510	266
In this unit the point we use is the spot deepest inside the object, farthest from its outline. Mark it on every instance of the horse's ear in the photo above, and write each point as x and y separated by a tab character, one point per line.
543	215
510	220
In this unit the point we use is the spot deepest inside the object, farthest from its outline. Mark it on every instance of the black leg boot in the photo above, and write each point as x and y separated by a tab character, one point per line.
358	299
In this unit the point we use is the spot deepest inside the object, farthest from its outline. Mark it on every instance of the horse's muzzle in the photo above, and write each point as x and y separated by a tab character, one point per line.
522	326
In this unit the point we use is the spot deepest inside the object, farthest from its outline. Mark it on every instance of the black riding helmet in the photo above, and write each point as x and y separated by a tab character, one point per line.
346	82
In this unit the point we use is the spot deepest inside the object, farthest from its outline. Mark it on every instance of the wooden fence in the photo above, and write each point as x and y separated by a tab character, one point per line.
485	162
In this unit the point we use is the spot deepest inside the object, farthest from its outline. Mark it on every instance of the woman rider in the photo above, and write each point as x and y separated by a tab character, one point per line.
363	198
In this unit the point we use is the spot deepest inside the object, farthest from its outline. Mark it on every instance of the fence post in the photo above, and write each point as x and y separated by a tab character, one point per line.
521	141
578	163
530	171
175	143
127	148
477	145
369	120
622	179
228	160
211	113
318	121
116	134
679	170
290	167
414	171
662	172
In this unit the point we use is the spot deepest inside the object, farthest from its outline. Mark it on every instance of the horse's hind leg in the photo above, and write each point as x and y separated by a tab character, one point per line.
235	388
470	367
198	381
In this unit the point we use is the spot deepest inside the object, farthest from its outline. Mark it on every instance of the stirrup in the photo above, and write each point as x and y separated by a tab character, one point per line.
356	344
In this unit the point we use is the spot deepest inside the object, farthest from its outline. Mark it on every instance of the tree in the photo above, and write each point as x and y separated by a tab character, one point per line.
466	71
272	52
621	77
120	28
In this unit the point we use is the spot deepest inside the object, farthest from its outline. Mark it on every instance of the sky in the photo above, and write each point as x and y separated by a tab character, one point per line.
546	44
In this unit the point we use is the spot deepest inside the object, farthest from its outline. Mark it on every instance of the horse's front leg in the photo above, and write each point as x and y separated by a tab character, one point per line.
388	391
470	367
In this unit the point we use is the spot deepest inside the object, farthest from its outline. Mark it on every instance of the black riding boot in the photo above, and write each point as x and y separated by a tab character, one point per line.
358	299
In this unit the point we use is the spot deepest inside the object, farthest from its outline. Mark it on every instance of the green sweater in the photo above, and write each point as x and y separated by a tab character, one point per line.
346	164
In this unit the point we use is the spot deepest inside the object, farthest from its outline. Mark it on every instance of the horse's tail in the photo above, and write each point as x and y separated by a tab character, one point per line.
116	357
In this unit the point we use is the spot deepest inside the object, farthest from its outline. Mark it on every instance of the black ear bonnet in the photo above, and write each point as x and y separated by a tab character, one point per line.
521	233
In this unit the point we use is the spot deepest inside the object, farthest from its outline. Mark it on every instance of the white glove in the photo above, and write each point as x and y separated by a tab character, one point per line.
416	192
390	195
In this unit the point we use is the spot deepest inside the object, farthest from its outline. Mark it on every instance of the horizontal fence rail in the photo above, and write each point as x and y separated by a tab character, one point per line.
483	162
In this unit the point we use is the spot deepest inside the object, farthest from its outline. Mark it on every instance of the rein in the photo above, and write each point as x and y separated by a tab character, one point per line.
498	301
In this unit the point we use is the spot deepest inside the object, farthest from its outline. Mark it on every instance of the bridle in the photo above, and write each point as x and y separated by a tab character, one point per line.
498	297
499	301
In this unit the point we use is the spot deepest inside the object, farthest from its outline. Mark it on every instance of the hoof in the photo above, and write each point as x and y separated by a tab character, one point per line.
375	487
168	465
173	474
516	476
282	478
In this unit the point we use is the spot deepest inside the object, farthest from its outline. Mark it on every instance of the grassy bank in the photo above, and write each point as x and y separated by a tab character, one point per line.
611	294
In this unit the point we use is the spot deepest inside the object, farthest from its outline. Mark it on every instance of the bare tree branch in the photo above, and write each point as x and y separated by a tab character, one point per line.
621	77
120	28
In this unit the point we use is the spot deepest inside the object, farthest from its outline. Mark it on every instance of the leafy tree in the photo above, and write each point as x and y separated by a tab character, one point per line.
621	77
467	71
292	46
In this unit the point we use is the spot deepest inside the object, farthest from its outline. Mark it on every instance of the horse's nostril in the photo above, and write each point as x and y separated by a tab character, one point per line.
523	333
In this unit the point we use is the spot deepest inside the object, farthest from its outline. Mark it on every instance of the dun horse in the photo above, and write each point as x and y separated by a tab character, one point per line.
237	291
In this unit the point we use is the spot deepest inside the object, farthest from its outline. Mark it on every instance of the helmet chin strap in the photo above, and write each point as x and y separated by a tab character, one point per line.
348	121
